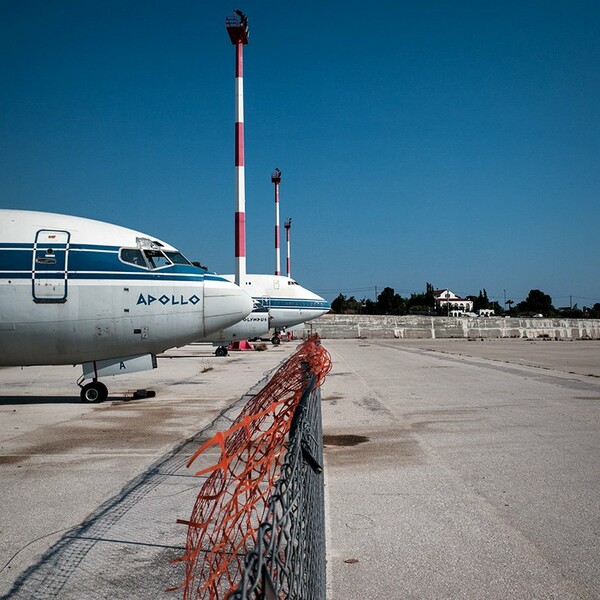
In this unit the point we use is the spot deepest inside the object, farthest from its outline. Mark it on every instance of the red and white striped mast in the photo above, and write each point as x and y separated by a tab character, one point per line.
237	28
288	226
276	179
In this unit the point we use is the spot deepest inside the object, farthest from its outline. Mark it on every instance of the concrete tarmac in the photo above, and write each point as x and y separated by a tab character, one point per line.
454	469
90	493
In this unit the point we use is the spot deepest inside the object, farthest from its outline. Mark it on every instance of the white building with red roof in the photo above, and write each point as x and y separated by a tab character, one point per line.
451	302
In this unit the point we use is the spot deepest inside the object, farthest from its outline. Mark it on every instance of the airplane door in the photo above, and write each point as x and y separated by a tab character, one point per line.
50	260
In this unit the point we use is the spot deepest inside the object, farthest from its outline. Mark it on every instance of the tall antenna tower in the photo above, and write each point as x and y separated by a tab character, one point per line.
288	226
276	179
237	28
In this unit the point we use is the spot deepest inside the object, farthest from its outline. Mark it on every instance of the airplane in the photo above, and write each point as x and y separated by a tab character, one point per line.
79	291
287	301
280	302
254	326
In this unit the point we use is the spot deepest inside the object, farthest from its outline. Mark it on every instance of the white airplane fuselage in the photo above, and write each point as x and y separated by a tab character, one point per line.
74	290
286	300
255	325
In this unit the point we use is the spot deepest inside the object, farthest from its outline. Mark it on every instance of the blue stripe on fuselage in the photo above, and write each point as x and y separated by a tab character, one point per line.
296	303
94	262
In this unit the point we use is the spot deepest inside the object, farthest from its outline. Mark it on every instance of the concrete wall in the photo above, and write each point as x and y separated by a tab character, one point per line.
420	327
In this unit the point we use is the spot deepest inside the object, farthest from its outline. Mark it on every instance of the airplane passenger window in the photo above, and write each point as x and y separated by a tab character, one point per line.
157	259
133	256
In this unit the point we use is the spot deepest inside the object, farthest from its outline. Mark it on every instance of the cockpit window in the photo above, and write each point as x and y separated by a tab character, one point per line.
258	307
148	259
177	258
133	257
157	259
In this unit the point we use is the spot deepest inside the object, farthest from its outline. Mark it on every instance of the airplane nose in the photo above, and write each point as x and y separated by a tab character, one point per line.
326	306
319	307
225	304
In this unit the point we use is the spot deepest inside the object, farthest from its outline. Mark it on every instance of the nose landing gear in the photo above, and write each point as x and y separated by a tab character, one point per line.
95	391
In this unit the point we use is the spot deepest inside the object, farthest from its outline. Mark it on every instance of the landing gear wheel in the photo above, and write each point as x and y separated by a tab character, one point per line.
221	351
275	340
94	391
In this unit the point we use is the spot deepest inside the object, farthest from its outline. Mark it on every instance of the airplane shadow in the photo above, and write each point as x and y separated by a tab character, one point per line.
24	400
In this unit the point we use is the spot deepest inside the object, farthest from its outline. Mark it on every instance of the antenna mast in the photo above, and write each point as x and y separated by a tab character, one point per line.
237	28
288	226
276	179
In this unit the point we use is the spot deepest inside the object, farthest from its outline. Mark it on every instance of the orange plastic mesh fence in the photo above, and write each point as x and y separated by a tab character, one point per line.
234	498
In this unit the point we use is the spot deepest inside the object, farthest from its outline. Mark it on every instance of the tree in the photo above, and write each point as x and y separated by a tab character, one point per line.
422	303
339	304
369	307
481	302
495	306
537	303
510	303
592	313
390	303
429	295
353	306
343	305
571	313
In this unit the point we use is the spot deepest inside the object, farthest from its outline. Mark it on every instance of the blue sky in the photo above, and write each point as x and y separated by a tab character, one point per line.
456	143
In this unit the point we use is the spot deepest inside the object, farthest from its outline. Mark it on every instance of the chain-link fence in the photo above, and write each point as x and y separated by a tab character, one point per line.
257	527
289	558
